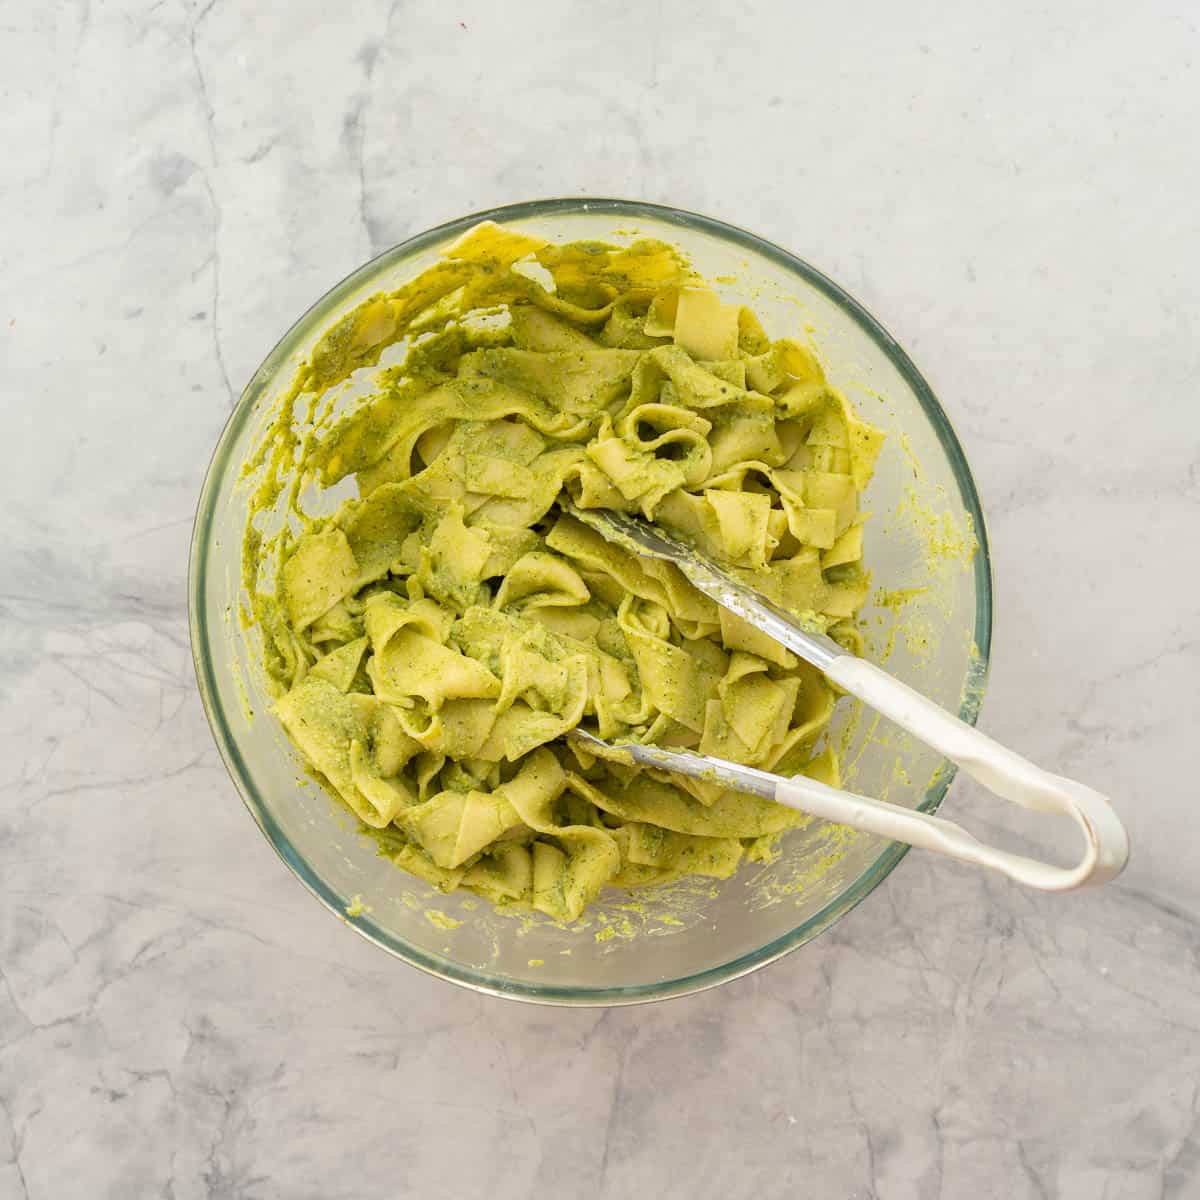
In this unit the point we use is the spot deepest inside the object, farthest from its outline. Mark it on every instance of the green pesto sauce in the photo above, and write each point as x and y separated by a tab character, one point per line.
432	637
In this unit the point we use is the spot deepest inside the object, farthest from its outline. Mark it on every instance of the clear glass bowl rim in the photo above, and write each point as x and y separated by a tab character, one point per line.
265	377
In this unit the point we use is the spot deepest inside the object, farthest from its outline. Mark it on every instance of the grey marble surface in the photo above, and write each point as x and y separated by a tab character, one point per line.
1013	191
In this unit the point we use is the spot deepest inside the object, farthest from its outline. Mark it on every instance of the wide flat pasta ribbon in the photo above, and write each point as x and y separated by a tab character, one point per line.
435	638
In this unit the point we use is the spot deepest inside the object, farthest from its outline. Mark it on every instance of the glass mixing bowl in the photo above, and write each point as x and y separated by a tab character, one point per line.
930	620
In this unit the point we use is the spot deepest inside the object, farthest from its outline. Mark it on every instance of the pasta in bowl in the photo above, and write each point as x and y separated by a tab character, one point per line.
432	621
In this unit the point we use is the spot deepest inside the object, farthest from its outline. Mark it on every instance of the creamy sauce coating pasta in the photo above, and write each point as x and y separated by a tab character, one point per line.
433	640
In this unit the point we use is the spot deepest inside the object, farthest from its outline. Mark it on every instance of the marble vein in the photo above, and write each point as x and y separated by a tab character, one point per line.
215	208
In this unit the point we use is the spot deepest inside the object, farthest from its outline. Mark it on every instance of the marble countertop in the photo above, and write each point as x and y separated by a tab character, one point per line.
1012	191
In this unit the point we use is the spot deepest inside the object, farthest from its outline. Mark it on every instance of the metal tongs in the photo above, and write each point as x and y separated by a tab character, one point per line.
998	768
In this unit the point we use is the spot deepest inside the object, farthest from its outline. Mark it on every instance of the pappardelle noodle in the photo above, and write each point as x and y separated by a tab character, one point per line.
433	640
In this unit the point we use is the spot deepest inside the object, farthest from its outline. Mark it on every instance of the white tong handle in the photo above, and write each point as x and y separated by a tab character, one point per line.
995	766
